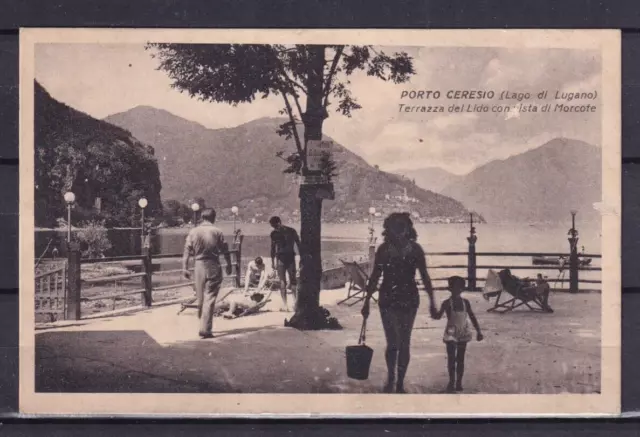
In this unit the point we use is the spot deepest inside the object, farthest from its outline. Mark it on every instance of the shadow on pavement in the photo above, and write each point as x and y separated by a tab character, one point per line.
116	362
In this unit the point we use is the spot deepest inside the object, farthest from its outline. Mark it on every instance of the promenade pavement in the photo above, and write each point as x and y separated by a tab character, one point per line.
157	350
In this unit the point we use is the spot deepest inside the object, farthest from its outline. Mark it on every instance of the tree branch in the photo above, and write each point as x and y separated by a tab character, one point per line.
292	92
332	72
291	83
297	102
289	80
373	49
295	125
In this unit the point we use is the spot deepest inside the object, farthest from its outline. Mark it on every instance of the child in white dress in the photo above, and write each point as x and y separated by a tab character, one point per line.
457	332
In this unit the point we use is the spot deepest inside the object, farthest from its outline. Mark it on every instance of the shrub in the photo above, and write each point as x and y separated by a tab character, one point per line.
93	239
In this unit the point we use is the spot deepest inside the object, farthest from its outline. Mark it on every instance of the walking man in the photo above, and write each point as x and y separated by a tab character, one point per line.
205	243
283	257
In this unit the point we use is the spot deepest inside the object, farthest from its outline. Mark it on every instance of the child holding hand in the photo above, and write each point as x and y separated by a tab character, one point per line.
457	332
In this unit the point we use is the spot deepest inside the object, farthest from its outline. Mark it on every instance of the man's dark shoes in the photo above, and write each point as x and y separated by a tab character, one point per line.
205	336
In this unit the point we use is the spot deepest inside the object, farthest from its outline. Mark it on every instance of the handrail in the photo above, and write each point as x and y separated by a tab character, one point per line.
586	281
522	254
566	267
169	287
566	255
111	259
112	296
138	257
179	255
112	278
464	266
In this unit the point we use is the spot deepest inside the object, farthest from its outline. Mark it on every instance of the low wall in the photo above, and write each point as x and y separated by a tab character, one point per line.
337	277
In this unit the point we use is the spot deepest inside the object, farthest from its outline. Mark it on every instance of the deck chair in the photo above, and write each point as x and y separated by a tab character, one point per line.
358	280
520	293
272	282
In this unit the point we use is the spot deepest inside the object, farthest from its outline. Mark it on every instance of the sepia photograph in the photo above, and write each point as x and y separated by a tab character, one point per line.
320	223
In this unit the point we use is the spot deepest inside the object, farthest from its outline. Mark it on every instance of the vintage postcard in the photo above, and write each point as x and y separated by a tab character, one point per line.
320	223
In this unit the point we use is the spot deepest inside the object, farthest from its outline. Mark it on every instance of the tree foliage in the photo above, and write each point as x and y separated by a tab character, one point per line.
93	239
93	159
175	212
242	73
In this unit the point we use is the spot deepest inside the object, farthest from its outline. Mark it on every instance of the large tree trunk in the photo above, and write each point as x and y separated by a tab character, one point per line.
308	313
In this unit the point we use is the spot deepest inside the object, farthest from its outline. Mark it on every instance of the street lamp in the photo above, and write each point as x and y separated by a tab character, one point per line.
234	211
142	203
70	198
195	207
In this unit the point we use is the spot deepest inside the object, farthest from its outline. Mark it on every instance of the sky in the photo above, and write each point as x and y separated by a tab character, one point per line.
101	80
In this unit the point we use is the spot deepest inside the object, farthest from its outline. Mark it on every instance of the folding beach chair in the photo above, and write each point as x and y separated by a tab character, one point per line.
272	283
520	293
358	280
193	302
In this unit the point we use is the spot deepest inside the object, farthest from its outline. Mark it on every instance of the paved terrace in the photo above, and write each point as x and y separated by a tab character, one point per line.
157	350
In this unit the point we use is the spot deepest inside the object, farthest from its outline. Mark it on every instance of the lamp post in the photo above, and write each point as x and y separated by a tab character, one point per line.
234	211
70	198
195	207
142	203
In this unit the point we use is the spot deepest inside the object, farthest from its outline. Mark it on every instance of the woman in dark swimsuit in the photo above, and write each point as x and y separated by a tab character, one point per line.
397	260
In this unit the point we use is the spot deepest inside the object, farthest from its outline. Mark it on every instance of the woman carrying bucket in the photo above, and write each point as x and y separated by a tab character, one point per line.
397	260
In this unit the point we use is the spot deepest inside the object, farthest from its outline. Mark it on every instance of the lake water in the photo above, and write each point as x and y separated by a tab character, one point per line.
433	237
350	241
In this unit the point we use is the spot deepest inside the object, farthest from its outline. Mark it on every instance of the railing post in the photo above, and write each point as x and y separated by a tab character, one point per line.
237	250
147	279
471	255
74	284
573	255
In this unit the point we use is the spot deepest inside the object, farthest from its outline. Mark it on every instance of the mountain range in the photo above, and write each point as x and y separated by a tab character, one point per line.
238	166
431	178
541	185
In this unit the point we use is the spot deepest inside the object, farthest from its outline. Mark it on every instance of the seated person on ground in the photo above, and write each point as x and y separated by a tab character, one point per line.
256	275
